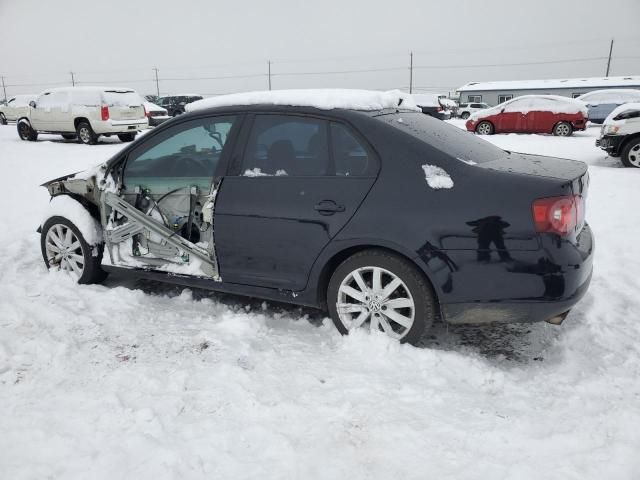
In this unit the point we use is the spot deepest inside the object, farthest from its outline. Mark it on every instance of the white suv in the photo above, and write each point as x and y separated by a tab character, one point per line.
85	113
620	134
466	109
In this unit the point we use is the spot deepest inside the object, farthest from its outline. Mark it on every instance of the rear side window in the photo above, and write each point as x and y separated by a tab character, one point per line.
453	141
287	145
350	155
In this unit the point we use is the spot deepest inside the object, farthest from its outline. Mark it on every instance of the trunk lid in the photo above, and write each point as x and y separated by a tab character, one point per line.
124	105
572	171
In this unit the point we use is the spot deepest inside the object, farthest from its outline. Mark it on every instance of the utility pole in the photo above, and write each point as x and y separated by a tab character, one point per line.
269	66
4	89
411	72
155	69
609	61
73	80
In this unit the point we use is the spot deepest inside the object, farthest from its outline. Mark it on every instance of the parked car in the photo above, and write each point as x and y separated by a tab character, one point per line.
531	114
620	134
602	102
155	114
85	113
15	108
432	106
387	218
450	105
175	104
466	109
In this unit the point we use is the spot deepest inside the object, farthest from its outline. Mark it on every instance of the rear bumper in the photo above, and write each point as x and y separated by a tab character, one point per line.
119	126
527	286
155	121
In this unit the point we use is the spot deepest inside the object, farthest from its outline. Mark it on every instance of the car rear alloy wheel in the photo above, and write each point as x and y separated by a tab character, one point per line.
484	128
630	155
86	134
381	291
563	129
64	248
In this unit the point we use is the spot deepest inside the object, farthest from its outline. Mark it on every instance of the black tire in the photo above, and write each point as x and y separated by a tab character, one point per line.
127	137
3	119
69	136
563	129
92	271
465	115
418	286
86	134
486	129
630	154
25	132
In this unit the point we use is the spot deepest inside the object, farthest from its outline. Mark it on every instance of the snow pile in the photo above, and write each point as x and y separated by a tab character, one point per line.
617	96
622	108
67	207
536	103
324	99
135	379
436	177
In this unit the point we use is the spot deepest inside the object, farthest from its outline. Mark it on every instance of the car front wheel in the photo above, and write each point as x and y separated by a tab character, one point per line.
64	248
26	132
484	128
630	154
381	291
563	129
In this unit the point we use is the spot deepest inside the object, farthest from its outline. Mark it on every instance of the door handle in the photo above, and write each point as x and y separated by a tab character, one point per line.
328	207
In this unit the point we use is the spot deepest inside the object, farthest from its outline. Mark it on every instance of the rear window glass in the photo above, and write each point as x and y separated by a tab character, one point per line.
122	99
458	143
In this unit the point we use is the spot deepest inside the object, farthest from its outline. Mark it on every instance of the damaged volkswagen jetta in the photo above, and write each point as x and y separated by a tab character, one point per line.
349	201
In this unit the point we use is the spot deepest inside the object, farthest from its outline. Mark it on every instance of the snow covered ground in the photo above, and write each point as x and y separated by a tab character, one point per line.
146	381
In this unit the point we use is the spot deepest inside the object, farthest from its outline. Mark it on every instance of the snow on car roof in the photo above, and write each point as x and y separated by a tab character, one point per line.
324	99
614	95
527	103
622	108
90	89
593	82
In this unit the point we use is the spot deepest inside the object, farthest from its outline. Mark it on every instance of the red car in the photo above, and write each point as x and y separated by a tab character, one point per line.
531	114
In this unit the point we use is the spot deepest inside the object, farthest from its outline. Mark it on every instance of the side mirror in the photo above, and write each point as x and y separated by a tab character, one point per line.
32	104
502	111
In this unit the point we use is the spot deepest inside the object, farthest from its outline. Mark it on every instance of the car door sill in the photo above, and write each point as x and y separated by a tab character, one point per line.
264	293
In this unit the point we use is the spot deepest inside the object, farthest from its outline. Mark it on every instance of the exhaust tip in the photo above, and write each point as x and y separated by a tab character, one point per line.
558	319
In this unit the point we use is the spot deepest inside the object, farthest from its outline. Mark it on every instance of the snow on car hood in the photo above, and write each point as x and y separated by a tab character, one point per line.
529	103
324	99
152	107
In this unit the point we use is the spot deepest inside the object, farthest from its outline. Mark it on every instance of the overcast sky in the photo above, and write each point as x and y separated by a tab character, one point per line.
454	42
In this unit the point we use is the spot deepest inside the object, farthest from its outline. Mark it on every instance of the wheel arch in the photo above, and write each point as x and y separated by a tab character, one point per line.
628	139
493	125
324	271
77	120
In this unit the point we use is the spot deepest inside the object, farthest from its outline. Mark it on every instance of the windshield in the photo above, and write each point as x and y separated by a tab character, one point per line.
122	99
458	143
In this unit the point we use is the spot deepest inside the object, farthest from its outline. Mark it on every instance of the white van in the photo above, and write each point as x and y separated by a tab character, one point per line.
85	113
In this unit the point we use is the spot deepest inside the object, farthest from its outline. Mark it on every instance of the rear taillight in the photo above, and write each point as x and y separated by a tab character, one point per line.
146	114
561	215
104	113
440	109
